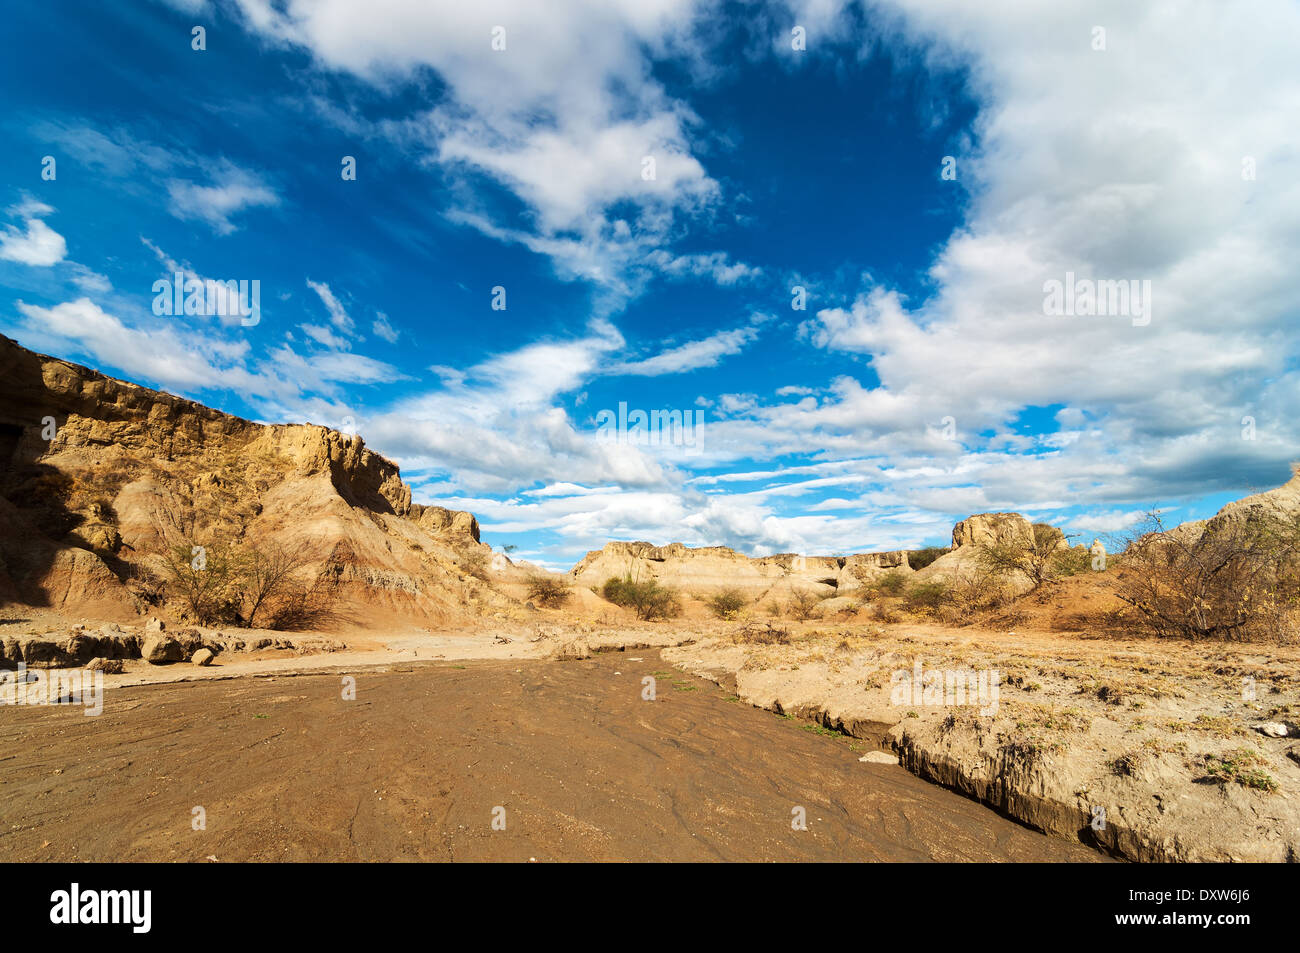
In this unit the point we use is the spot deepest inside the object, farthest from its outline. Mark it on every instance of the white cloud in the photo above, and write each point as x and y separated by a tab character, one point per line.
384	329
36	243
323	335
338	314
158	355
692	355
232	190
563	116
90	281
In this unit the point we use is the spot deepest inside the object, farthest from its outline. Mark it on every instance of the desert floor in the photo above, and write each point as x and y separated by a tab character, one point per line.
285	769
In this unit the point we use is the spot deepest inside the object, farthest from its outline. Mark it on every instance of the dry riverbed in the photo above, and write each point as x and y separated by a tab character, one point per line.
569	757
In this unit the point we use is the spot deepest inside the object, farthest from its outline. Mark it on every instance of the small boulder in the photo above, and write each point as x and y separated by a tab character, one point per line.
572	650
159	649
1273	729
202	657
109	666
44	652
879	757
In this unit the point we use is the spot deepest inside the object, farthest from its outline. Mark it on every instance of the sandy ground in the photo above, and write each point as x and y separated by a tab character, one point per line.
413	768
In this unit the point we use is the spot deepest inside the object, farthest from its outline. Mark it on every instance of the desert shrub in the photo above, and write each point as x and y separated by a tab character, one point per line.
973	594
1239	580
762	633
550	591
891	583
475	564
1072	561
202	577
804	605
924	596
1243	766
920	558
264	576
1035	561
147	585
884	613
727	603
647	598
296	607
254	587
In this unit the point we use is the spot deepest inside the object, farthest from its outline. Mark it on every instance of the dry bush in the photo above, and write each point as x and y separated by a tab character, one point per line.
971	596
892	583
804	605
727	603
475	564
925	597
1072	561
1240	580
647	598
265	575
253	587
144	583
202	577
299	607
1037	562
762	633
883	612
549	591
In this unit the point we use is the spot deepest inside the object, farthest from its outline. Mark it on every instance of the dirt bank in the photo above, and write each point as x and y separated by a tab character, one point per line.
1149	748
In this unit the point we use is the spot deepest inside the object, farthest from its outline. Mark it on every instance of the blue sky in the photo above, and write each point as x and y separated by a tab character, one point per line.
923	379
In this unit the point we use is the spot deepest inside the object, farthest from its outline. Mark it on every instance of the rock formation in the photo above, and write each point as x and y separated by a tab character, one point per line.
101	477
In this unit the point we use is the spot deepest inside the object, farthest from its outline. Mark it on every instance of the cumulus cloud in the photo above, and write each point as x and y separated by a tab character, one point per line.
35	243
1108	164
185	362
188	359
568	116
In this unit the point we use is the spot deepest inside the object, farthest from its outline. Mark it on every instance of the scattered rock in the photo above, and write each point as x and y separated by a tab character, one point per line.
109	666
43	652
572	650
1274	729
159	649
879	757
202	657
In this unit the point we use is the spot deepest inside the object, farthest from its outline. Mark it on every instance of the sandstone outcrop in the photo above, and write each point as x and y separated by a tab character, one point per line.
100	478
974	533
709	569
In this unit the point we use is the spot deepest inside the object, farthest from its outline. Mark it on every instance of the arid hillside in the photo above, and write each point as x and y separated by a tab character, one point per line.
104	481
